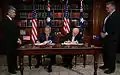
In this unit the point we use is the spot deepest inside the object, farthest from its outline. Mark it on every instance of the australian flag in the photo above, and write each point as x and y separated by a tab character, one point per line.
48	14
81	19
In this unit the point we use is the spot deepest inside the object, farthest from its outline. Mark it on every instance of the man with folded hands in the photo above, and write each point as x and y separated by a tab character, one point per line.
45	37
72	37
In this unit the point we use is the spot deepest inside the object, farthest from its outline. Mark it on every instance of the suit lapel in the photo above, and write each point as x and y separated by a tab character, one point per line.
110	16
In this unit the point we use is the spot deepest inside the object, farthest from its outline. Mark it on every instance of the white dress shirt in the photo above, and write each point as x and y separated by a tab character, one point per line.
73	38
108	16
9	17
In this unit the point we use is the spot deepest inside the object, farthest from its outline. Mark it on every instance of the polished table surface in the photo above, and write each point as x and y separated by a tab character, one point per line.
59	49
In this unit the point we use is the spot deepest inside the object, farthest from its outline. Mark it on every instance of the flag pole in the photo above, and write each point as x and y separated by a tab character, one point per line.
48	14
34	24
33	4
81	18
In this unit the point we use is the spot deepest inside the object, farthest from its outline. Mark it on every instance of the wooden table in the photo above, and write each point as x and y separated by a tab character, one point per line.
61	50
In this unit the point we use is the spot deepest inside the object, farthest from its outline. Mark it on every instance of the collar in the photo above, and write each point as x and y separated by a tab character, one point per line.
73	36
9	17
112	11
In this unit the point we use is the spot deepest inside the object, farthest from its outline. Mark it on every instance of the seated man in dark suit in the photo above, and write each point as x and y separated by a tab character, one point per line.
47	35
71	37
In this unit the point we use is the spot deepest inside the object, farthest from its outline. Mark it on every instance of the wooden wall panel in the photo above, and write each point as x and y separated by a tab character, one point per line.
98	18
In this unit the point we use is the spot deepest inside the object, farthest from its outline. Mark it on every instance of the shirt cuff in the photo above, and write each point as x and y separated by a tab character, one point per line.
106	33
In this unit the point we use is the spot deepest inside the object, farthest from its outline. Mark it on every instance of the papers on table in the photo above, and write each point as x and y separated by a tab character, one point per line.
39	44
49	42
72	43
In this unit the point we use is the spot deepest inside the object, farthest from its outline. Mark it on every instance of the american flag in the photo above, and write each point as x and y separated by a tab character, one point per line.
26	37
48	14
34	26
81	19
66	26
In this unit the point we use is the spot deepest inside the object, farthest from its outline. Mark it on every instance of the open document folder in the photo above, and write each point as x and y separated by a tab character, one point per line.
49	42
72	43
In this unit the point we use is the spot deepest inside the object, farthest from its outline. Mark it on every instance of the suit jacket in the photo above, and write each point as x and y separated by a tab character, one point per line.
69	37
51	37
10	33
112	27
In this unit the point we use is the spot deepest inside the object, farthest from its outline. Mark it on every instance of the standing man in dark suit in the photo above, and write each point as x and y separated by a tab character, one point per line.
10	39
71	37
110	34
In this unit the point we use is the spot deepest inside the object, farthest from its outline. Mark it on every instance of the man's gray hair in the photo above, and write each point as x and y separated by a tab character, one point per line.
11	8
111	2
48	27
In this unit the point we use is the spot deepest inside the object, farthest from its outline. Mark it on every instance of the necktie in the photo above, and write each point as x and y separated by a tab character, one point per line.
47	37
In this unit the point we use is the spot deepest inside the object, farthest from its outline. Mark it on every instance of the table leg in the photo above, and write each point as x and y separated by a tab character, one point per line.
49	69
21	64
95	63
29	56
75	60
84	60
